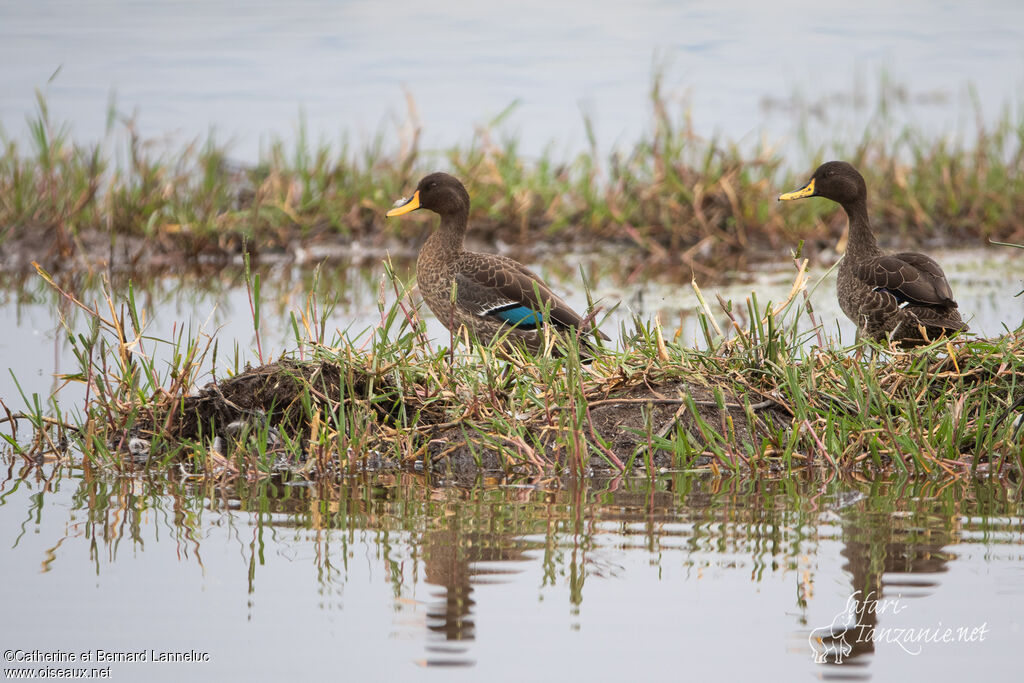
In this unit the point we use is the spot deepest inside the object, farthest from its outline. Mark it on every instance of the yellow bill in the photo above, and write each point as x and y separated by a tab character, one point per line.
410	204
805	191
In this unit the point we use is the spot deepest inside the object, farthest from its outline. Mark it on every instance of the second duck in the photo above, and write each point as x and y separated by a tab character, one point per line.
491	295
905	296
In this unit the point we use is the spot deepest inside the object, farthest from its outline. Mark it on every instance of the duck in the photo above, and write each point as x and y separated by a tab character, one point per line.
902	297
493	296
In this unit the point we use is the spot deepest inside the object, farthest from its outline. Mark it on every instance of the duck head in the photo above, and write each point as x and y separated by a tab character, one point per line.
438	192
835	180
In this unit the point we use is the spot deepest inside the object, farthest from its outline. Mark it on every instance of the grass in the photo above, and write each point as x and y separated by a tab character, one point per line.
758	397
761	398
675	196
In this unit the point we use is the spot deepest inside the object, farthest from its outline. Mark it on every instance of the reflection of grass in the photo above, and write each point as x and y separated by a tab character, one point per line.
676	196
418	523
762	400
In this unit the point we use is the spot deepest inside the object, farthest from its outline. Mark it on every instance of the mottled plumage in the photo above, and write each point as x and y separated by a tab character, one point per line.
490	295
904	296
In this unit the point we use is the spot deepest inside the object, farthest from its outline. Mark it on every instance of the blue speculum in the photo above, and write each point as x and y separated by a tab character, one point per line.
520	316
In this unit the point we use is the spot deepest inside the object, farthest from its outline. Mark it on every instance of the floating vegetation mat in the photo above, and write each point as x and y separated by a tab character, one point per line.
758	396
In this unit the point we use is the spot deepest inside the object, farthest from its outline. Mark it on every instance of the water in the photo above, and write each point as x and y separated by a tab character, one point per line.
345	67
393	577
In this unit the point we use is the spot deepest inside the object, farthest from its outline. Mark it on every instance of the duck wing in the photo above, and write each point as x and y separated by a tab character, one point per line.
494	286
910	277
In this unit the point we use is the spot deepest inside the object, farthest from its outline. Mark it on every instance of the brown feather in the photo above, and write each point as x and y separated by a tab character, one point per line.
462	287
902	296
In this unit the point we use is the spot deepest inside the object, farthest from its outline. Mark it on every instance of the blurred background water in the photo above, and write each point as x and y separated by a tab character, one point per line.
746	68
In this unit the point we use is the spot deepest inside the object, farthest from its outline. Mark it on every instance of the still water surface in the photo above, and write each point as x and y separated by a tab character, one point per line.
745	67
394	577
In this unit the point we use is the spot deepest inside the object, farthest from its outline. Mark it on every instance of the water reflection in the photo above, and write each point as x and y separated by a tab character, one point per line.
895	545
443	547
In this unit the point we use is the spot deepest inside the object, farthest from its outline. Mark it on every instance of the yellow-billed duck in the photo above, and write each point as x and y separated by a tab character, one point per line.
902	296
490	295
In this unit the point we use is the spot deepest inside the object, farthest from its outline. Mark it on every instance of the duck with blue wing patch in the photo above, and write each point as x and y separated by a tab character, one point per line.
492	296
